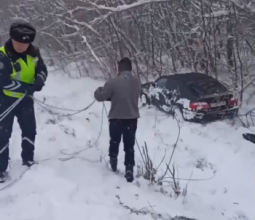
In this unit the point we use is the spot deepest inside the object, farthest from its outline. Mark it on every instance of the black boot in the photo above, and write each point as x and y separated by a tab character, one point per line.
28	163
129	173
114	163
2	177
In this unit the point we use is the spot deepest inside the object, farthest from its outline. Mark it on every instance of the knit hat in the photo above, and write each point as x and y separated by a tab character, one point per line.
125	64
22	32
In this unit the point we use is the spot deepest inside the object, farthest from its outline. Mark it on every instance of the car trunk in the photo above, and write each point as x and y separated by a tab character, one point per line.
213	93
218	102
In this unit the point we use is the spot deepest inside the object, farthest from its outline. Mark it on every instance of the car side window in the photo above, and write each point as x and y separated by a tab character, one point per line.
172	84
161	82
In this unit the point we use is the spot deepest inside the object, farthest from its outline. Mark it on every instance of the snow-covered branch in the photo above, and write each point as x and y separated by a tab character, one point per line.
127	7
161	36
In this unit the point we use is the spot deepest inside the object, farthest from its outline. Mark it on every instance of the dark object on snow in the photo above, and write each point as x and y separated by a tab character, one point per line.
22	32
125	128
192	96
28	163
249	137
129	174
114	164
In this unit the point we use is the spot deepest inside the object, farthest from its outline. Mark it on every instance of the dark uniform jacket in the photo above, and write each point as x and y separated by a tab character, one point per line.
6	82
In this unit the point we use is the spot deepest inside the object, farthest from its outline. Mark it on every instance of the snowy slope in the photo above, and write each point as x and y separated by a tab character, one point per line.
218	161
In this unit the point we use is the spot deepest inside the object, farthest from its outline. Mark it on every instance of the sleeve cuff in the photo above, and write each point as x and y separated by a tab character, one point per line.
42	75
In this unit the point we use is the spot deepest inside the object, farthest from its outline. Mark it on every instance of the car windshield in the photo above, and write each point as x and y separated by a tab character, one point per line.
207	87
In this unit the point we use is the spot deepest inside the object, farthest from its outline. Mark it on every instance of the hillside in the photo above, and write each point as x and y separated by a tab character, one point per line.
213	161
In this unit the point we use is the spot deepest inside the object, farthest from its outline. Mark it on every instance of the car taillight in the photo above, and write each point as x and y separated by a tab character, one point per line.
199	106
233	102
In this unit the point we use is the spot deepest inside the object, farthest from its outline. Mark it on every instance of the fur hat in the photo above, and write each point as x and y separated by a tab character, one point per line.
22	32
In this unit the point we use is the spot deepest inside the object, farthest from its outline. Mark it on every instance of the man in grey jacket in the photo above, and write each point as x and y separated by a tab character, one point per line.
123	91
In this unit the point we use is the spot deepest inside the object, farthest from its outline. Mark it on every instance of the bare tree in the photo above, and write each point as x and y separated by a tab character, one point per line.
162	37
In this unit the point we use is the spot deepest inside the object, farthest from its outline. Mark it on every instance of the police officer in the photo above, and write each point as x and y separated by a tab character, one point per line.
22	72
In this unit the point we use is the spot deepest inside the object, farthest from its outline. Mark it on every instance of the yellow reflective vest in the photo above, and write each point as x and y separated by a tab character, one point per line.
25	75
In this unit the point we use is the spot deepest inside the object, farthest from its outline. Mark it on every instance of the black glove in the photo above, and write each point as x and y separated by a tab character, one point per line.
38	84
30	90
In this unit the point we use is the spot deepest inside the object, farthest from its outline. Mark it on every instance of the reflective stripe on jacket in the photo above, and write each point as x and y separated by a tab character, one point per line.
21	71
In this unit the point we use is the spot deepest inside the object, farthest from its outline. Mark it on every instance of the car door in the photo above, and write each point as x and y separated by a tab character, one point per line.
157	95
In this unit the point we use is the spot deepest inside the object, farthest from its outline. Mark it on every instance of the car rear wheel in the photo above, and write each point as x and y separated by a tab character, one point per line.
144	100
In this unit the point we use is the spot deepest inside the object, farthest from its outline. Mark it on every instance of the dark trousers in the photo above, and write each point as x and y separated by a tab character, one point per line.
24	112
125	128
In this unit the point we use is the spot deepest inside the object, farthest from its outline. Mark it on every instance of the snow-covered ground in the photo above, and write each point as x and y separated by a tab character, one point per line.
215	163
